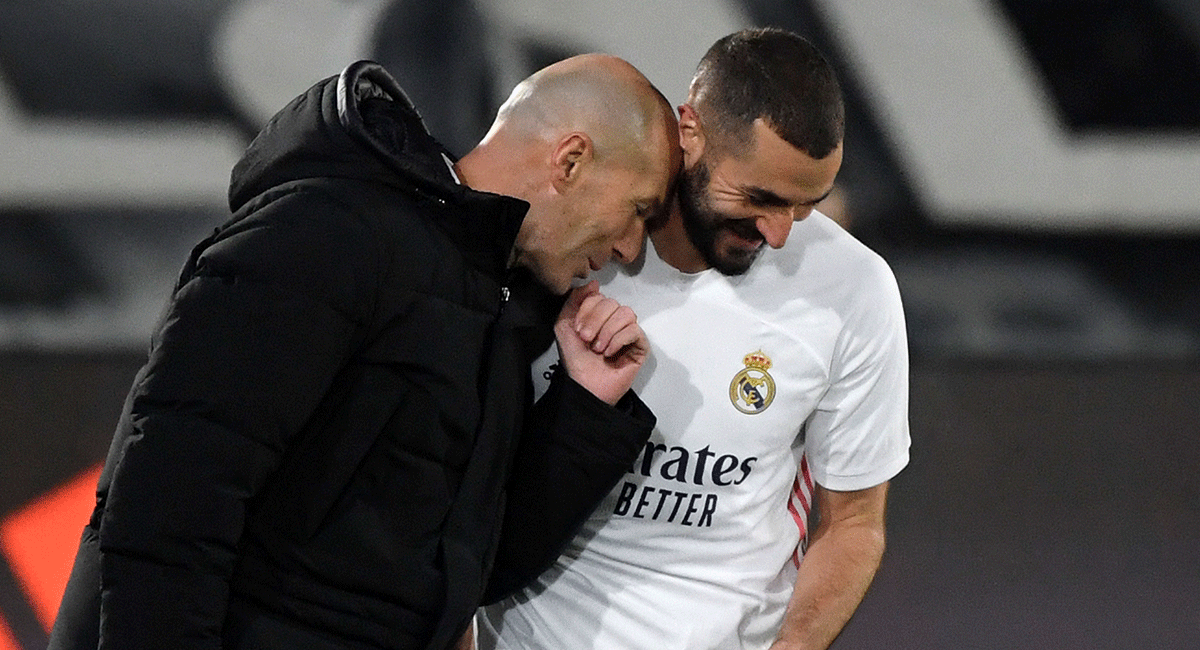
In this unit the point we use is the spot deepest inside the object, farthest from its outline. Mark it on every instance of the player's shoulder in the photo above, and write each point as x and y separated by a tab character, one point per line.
827	249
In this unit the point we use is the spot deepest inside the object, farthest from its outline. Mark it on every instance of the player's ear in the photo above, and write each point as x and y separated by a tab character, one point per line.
572	153
691	135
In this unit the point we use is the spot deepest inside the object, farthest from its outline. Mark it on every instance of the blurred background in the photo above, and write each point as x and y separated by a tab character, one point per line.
1030	169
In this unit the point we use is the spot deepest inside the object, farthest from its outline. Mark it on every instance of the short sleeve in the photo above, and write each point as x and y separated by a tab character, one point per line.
858	434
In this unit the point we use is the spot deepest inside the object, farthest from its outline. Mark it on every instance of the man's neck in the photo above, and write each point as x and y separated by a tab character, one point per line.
674	246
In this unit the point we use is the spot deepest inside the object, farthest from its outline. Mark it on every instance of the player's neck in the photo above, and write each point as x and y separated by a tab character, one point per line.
674	246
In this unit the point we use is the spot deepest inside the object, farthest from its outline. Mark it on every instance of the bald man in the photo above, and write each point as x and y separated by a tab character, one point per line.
612	155
319	451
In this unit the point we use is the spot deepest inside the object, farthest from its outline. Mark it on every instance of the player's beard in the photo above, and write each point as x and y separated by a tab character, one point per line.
704	224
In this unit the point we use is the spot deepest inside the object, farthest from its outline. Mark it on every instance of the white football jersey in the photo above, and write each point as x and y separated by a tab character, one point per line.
794	373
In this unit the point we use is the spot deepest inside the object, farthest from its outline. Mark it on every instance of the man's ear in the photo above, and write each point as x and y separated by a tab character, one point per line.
573	151
691	135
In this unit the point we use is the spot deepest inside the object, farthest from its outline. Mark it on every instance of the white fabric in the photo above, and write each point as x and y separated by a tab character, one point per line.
697	547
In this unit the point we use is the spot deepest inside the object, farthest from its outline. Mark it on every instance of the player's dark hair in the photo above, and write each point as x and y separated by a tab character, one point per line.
773	74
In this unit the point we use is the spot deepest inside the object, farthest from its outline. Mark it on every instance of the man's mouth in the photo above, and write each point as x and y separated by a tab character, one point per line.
746	234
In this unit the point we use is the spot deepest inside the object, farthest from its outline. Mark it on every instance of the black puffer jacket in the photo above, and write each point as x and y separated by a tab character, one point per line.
317	453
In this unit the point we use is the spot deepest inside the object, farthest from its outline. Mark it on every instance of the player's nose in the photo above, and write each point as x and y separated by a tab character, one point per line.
775	227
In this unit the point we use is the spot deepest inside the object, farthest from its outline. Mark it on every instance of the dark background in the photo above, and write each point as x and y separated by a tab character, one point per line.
1046	505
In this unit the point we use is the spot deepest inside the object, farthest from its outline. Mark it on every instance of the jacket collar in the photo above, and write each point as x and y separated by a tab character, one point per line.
375	111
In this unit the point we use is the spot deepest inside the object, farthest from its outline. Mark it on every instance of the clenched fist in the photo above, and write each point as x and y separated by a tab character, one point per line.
600	343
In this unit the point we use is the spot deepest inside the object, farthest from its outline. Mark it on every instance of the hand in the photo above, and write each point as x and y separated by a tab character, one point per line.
467	640
601	345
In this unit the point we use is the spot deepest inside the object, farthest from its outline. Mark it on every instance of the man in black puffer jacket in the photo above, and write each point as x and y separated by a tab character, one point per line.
319	452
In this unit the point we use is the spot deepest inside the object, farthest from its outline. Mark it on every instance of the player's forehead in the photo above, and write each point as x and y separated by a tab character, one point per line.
775	171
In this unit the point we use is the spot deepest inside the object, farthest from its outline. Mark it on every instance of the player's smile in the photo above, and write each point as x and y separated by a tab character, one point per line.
744	233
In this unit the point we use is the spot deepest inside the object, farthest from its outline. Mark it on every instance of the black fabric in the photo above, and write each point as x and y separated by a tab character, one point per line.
576	467
317	450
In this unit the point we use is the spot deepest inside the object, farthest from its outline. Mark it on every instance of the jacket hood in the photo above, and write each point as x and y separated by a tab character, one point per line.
361	126
358	125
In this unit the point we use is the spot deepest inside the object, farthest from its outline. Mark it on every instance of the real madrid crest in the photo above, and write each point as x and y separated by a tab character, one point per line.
752	389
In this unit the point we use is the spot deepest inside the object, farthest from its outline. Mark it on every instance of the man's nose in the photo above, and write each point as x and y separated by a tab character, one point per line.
775	227
628	247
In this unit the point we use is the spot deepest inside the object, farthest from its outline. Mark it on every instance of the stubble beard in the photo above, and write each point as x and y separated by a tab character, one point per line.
704	224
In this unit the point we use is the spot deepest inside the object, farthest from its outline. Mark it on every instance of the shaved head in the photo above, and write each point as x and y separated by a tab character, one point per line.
593	147
601	95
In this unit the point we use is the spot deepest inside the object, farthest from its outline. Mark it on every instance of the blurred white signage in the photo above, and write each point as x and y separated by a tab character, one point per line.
947	81
978	137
